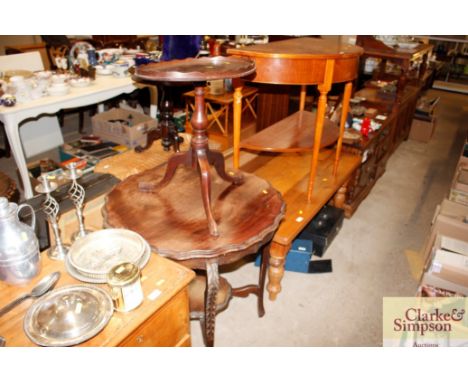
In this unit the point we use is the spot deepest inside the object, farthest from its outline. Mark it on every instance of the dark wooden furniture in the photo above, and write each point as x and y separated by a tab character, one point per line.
301	61
199	156
374	152
377	148
161	320
173	222
405	58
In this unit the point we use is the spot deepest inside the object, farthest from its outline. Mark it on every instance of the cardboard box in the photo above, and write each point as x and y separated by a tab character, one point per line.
450	219
422	131
459	191
122	126
448	265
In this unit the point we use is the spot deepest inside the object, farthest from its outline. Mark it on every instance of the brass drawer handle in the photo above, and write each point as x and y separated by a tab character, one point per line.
139	339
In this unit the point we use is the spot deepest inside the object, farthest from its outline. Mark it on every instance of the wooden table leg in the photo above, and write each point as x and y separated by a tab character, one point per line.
212	287
261	279
344	114
340	196
278	254
237	115
324	88
302	99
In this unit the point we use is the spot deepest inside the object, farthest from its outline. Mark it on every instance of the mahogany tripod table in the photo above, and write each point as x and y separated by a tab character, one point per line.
173	222
199	156
163	205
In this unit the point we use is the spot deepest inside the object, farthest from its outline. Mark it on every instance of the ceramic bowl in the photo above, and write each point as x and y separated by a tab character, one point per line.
104	70
58	90
80	82
60	78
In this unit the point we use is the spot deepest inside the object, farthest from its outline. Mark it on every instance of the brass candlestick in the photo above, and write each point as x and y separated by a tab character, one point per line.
51	208
77	194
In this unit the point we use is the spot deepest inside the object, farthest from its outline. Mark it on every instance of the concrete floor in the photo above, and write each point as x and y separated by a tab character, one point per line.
344	308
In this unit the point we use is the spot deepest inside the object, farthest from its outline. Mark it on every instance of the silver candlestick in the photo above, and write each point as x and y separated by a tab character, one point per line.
51	208
77	195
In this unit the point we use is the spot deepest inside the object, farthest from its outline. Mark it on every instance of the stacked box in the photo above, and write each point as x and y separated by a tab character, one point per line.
124	127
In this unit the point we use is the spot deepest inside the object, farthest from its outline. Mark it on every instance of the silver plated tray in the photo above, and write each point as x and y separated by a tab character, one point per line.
68	316
98	278
98	252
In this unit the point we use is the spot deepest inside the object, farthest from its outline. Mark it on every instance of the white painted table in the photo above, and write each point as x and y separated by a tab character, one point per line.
102	89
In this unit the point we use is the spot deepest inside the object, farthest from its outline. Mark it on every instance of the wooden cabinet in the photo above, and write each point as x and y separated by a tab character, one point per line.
170	327
374	152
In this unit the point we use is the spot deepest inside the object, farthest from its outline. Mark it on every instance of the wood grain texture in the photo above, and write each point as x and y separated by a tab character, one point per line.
289	174
293	187
300	61
294	133
173	220
160	274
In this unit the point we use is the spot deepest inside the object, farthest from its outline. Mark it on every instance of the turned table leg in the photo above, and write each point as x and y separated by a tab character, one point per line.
340	196
212	287
237	116
324	88
344	114
278	254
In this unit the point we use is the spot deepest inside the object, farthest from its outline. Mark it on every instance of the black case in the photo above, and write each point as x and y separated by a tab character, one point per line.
323	228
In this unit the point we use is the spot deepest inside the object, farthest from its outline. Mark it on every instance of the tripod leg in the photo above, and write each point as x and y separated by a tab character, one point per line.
216	159
174	161
205	180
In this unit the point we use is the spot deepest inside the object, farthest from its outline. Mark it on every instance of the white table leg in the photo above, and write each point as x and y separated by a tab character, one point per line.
100	108
12	132
153	111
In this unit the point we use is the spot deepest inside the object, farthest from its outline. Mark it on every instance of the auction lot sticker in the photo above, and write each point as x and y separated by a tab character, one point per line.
425	321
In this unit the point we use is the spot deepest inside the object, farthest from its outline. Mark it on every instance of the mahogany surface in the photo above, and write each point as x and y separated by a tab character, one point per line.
199	157
294	133
301	61
194	70
173	220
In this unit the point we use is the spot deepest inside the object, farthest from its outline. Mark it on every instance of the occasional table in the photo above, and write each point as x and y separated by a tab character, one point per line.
297	164
163	205
173	222
300	61
199	156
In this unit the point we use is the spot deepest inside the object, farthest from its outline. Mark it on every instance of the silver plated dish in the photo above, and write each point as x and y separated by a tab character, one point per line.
99	278
68	316
98	252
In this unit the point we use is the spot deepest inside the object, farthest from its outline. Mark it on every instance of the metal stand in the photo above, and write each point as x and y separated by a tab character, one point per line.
77	195
51	208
